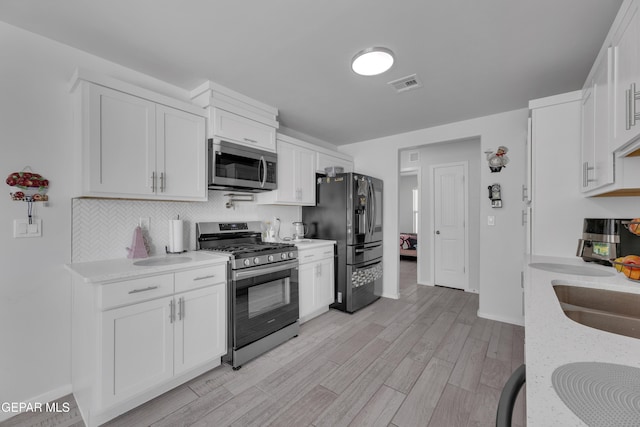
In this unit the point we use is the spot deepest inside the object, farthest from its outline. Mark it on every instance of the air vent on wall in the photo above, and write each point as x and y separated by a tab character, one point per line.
406	83
414	156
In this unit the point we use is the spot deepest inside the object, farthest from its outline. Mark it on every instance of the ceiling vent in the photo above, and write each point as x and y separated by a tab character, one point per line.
406	83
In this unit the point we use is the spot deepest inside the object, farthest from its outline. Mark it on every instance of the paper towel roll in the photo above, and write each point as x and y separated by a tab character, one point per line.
176	240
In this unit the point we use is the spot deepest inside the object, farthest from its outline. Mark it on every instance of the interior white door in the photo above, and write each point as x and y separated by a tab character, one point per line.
450	245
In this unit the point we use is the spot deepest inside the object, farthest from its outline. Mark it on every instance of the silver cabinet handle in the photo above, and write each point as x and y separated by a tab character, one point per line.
627	94
524	193
162	182
150	288
524	217
634	97
205	277
585	174
153	182
172	311
250	140
181	308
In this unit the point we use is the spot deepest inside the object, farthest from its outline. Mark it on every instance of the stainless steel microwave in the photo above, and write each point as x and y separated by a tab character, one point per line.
236	167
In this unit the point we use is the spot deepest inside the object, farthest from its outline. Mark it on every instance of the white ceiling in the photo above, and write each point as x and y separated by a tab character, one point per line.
474	57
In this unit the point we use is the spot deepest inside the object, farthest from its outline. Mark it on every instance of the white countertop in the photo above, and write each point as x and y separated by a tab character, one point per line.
312	243
124	268
553	340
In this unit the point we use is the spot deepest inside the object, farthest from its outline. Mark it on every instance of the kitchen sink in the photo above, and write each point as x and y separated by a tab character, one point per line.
571	269
610	311
162	261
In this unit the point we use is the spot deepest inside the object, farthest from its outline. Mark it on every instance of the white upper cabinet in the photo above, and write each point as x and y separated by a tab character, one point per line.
137	144
597	156
244	131
626	78
180	154
296	176
237	118
325	160
121	143
610	124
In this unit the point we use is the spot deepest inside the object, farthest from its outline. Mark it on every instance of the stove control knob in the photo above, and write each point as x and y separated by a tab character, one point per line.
270	258
256	260
247	262
283	255
290	254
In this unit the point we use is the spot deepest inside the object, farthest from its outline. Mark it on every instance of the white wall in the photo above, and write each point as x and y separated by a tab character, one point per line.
501	246
558	206
36	124
405	200
450	152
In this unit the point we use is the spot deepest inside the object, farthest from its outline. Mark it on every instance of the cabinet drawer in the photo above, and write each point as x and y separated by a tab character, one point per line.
243	130
132	291
193	279
315	254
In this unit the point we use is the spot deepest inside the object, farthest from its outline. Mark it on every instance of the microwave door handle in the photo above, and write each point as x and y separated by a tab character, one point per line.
263	163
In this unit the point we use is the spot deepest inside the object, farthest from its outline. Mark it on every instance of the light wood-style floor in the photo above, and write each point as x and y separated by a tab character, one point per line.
423	360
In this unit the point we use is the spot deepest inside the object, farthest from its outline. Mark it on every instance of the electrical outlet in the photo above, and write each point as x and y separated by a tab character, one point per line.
144	223
491	220
22	228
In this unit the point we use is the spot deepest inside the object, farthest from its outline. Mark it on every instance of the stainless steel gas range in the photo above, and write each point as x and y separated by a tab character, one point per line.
263	287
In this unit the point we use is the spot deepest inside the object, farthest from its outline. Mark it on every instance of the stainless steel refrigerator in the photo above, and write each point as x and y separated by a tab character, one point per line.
349	210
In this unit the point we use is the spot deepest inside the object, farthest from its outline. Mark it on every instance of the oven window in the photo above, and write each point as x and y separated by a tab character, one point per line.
268	296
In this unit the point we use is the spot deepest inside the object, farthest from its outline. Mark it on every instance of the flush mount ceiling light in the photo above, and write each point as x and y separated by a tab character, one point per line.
372	61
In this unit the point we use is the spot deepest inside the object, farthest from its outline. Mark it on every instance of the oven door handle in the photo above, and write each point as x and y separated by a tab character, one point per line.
253	272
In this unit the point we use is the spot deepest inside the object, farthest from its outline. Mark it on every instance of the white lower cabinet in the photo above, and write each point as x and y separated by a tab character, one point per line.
137	349
197	331
316	280
136	339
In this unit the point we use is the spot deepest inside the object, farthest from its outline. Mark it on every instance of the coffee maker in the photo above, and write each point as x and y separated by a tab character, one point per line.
605	239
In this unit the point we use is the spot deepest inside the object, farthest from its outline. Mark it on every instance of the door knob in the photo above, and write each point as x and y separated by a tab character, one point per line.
437	231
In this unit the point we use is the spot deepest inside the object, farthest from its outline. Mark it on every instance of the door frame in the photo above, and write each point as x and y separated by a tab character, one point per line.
432	197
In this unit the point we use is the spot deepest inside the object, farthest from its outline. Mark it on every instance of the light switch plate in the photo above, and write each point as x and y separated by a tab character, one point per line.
144	223
491	220
22	228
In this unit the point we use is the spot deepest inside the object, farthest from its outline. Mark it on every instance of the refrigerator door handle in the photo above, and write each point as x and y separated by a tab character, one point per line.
370	211
373	208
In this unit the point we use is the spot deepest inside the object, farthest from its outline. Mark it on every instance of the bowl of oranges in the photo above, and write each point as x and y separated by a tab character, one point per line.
629	266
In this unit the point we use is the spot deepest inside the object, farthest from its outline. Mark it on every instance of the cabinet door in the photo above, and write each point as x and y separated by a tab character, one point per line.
200	334
588	141
326	160
137	348
325	294
243	131
306	289
287	171
181	155
305	177
603	155
626	43
122	143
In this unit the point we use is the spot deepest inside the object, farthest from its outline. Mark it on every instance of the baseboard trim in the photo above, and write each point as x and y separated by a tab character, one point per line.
43	398
392	296
504	319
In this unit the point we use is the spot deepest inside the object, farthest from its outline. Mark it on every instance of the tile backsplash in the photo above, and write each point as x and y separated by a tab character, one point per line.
103	228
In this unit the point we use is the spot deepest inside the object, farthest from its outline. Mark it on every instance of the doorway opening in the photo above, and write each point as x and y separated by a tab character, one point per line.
448	255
